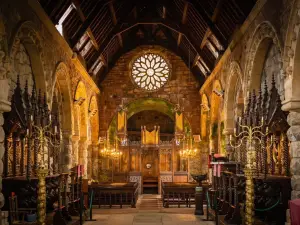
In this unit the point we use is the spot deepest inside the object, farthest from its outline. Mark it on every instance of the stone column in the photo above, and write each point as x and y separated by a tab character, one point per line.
82	159
294	136
230	151
95	161
75	145
66	155
4	107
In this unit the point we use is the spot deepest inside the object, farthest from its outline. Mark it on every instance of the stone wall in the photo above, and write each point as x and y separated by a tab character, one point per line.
31	47
267	44
182	84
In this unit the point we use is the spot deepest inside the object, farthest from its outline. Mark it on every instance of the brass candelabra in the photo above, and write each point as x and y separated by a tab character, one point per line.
44	137
253	135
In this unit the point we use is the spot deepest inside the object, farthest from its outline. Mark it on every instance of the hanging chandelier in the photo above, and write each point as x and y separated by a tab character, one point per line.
188	151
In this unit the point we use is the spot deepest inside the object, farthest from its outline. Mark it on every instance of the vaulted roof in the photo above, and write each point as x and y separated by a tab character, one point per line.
101	31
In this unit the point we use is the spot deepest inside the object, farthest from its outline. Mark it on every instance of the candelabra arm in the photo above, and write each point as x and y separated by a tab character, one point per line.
257	138
259	132
244	126
244	132
258	127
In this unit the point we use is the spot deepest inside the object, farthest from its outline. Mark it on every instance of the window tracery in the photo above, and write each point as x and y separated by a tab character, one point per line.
150	72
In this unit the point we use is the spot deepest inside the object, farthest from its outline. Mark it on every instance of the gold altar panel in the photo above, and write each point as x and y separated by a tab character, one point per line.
179	122
122	121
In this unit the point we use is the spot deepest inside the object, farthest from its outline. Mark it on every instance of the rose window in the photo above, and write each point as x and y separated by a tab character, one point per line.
150	72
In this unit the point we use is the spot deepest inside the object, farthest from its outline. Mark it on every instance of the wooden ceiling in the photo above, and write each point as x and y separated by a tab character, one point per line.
101	31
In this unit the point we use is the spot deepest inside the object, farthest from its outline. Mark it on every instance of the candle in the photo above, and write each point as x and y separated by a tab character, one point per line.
267	130
234	130
50	117
230	137
262	120
31	117
55	129
27	131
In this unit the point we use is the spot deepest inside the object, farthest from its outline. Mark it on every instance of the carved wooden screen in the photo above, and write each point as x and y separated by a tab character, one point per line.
272	153
22	145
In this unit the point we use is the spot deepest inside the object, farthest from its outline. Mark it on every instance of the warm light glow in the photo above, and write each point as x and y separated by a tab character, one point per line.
150	72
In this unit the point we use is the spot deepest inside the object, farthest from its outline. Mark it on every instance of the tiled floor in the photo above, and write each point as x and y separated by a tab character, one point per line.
143	215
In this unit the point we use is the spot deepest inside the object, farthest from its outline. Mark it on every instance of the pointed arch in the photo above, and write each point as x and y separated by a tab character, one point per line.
94	119
233	98
81	111
204	117
264	36
62	83
26	34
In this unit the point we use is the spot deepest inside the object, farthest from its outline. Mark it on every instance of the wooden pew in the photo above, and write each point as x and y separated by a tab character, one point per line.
109	194
180	193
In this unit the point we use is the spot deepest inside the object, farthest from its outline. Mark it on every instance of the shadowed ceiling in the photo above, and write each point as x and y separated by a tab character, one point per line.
101	31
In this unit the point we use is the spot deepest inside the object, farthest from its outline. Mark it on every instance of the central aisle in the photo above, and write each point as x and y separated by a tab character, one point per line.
149	211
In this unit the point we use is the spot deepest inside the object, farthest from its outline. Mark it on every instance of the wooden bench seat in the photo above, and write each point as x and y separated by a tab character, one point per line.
109	194
180	193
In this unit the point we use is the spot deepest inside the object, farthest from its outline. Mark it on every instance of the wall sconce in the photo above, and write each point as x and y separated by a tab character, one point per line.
205	107
219	93
79	101
92	112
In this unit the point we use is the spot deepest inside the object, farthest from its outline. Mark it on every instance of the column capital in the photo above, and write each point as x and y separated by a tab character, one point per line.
75	137
228	131
291	104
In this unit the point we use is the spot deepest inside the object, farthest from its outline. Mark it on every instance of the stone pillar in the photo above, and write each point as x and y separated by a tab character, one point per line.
75	145
82	156
4	107
294	136
95	161
229	149
66	155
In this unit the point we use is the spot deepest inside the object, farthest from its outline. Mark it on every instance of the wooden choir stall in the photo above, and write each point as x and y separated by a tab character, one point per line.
271	178
28	117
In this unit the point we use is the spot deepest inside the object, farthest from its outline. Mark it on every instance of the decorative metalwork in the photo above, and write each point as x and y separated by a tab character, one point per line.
150	72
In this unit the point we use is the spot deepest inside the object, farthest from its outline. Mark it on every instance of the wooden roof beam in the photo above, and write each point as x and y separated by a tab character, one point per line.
214	19
114	32
114	19
209	22
183	21
179	28
85	26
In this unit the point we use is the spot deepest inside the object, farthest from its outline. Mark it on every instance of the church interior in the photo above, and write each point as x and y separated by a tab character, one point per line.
160	112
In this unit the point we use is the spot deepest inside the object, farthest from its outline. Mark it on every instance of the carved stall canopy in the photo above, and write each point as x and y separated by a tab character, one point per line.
29	113
272	151
101	31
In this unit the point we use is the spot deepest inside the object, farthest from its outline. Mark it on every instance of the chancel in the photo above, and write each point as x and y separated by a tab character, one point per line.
149	112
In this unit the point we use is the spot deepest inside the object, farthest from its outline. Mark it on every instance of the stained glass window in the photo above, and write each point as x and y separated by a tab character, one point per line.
150	72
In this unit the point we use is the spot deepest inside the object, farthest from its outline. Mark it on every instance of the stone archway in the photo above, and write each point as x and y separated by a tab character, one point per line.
233	99
204	117
215	116
62	91
264	37
25	51
93	149
80	138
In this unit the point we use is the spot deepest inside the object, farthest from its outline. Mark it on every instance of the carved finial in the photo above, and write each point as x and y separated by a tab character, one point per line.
18	81
26	87
273	81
